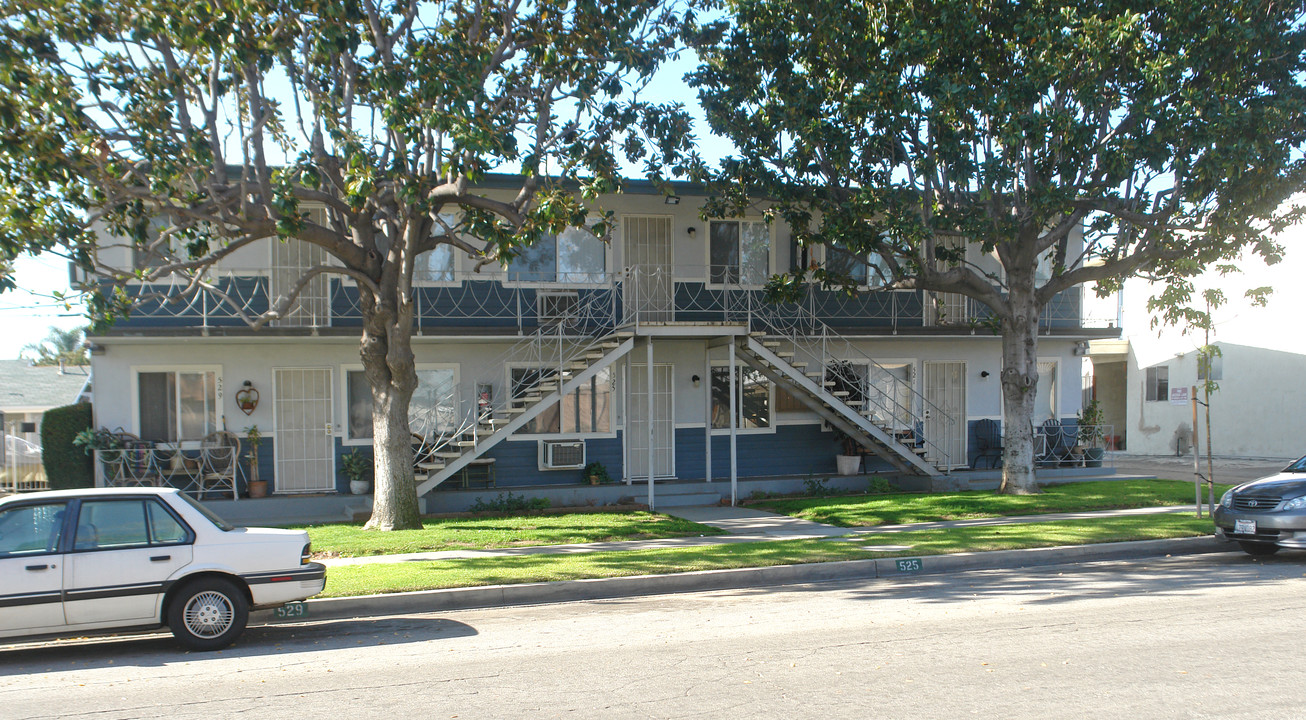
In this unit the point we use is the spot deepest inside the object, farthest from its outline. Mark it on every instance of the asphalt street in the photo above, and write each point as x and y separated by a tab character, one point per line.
1192	637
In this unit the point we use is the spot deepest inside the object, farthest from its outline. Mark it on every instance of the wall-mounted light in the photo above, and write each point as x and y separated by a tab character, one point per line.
672	200
984	374
693	232
696	380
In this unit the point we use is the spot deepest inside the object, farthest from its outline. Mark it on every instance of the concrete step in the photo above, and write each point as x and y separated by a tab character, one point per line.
663	499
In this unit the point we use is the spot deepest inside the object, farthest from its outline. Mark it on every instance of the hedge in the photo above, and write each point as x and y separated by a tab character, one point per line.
66	465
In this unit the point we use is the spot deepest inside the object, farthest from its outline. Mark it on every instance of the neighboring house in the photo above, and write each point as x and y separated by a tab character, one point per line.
27	391
1147	394
626	353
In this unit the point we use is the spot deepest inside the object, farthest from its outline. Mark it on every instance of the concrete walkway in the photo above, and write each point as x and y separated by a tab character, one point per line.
742	525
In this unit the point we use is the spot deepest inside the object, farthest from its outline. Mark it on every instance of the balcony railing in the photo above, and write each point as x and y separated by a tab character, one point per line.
1059	445
635	295
201	472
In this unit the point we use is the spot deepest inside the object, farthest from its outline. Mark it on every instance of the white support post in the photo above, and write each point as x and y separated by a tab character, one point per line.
651	415
734	450
707	409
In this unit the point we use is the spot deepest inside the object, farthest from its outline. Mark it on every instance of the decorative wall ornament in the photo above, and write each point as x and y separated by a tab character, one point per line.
247	398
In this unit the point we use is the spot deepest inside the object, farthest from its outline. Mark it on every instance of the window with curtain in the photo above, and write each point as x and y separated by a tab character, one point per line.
574	256
433	410
437	266
587	409
1045	399
752	398
176	405
739	252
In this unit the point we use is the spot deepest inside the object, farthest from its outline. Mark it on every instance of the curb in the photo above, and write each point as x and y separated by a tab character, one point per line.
738	578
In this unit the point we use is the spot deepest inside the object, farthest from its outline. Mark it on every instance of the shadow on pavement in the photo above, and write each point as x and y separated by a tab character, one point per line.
159	648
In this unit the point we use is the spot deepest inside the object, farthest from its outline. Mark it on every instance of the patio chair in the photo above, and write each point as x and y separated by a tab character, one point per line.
988	441
219	456
1058	441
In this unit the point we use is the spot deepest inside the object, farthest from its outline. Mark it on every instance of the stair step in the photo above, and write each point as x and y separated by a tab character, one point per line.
448	455
771	343
498	421
757	334
426	465
839	393
609	345
853	403
465	443
594	355
784	354
514	410
547	387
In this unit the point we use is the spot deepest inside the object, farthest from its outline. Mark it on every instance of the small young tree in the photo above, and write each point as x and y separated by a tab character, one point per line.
1076	142
195	130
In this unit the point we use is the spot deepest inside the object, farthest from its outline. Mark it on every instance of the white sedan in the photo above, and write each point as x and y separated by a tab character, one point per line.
74	562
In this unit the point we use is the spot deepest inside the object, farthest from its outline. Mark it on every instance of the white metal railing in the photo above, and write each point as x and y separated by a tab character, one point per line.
198	472
1058	445
23	469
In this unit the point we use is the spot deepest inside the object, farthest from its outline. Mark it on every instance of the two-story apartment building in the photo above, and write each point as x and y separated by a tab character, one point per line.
654	353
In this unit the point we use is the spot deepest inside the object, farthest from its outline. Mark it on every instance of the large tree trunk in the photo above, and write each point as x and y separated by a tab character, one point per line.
1019	385
389	365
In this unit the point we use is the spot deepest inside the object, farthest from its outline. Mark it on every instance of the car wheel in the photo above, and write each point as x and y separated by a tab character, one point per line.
1259	549
208	614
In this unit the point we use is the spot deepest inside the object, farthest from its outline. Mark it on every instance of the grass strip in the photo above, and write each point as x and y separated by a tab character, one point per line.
898	508
350	540
354	580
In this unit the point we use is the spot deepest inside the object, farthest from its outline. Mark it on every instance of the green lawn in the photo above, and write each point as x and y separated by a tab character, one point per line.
350	540
872	510
404	577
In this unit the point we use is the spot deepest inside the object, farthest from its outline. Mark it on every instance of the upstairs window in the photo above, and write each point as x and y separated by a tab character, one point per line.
739	252
868	270
437	266
576	256
1158	384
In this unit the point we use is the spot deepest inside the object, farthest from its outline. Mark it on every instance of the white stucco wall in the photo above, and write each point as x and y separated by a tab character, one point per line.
1255	413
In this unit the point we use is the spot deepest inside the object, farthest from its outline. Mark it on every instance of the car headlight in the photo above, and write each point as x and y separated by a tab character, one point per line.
1226	500
1296	503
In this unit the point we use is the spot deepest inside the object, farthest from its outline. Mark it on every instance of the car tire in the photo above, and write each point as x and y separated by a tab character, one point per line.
1258	549
208	614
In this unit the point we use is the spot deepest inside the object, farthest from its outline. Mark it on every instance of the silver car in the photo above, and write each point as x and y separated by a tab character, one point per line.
1267	514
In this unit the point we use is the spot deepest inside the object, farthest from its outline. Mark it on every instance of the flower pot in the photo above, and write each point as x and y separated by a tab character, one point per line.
258	488
359	487
848	464
1093	456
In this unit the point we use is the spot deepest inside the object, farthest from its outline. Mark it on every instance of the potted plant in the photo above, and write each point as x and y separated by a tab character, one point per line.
849	461
597	473
91	441
257	488
357	466
1091	433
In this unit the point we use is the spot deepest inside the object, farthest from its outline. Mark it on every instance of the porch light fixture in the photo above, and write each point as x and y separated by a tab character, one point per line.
984	374
692	231
672	200
696	380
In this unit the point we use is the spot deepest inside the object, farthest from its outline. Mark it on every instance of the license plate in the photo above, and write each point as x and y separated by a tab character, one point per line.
291	610
1244	527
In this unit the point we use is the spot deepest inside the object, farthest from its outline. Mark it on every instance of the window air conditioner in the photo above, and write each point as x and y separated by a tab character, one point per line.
562	454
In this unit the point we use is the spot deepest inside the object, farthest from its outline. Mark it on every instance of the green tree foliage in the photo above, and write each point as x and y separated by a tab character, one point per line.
191	131
1074	141
59	346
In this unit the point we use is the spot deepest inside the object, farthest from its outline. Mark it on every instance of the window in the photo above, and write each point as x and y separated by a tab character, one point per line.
31	529
869	270
752	398
1158	384
739	252
1214	364
437	266
175	405
121	524
587	409
574	256
1045	395
432	411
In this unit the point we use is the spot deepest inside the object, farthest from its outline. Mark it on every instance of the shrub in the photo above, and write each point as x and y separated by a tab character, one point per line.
510	503
66	465
879	486
816	487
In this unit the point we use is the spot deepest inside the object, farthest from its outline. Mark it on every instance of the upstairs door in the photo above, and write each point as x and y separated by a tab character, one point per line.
312	308
305	442
639	415
945	389
649	291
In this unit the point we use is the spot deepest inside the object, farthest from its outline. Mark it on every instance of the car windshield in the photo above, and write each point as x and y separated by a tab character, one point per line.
213	518
1297	467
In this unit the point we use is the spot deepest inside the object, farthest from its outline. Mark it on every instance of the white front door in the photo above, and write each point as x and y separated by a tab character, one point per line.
305	444
945	393
638	417
648	292
31	594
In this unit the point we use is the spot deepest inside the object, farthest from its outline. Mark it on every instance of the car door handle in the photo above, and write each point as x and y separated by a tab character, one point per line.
38	567
160	558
